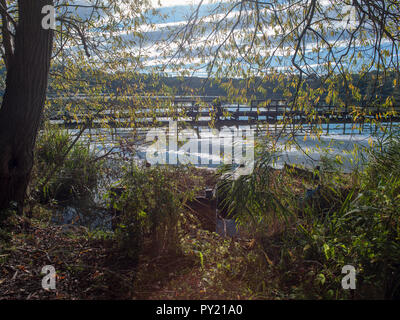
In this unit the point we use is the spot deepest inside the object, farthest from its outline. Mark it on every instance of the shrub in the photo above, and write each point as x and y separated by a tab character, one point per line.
151	205
63	172
248	196
355	220
363	231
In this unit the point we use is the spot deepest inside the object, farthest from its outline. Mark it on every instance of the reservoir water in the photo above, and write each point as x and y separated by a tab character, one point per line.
206	147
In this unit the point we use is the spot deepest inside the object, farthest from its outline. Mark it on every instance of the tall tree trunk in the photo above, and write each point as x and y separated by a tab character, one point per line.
23	100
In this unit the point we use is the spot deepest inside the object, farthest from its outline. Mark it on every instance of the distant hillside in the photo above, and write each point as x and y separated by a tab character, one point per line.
209	87
367	86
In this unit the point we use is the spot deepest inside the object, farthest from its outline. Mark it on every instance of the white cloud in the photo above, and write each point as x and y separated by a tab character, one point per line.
171	3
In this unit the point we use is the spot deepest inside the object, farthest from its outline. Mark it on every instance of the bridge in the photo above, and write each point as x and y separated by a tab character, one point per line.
212	111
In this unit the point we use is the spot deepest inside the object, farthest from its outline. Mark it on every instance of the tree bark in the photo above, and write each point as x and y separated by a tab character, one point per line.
23	101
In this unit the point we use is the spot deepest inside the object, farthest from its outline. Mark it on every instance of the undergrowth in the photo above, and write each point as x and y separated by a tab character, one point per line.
308	236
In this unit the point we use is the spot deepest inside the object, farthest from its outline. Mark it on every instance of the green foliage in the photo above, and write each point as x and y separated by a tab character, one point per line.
353	219
375	217
251	198
65	169
363	231
151	205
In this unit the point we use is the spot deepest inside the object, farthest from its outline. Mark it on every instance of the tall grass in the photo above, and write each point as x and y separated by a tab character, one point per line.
64	170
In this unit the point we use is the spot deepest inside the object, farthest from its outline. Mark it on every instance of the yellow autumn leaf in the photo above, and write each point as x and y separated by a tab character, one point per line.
371	142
